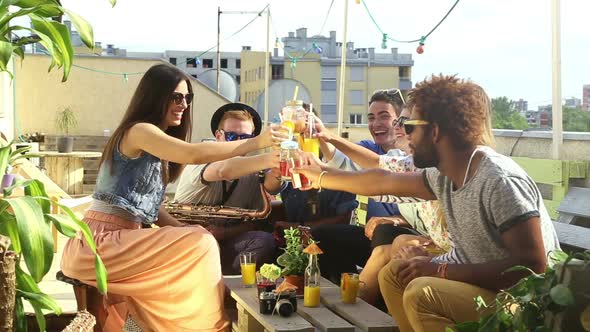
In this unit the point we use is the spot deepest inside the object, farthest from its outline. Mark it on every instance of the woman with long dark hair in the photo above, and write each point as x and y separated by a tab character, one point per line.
167	278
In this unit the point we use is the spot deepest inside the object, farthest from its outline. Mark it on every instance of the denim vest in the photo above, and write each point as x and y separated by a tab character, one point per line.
134	184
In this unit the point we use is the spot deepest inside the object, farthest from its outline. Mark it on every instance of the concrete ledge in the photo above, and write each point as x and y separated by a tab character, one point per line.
567	135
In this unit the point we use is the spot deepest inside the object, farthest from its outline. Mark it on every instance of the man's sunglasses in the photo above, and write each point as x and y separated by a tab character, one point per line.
400	121
392	93
178	97
410	125
231	136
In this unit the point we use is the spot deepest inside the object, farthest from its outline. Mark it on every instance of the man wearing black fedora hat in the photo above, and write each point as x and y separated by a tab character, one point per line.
234	182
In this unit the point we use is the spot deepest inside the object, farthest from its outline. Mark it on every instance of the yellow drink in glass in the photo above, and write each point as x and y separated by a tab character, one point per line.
248	274
291	125
311	145
311	296
349	287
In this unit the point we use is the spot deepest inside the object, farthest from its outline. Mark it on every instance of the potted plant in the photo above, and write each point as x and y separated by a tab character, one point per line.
65	120
293	259
556	300
26	219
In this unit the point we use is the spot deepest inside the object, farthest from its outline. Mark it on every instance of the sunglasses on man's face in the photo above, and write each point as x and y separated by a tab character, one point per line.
399	122
178	97
231	136
410	125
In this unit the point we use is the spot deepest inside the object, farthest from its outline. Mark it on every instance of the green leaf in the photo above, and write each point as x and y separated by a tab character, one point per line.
519	268
5	150
558	256
60	36
34	234
19	151
8	227
83	27
561	295
42	300
113	2
465	327
45	41
21	318
17	184
101	274
5	54
37	189
25	282
64	224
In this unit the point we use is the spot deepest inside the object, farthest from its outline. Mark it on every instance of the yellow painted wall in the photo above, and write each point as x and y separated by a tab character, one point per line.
251	77
7	103
309	74
98	99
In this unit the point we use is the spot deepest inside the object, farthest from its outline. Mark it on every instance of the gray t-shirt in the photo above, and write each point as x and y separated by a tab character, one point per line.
499	195
192	188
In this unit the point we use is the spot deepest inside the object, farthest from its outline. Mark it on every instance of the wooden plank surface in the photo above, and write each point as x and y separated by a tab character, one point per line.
323	318
361	314
572	235
576	202
246	297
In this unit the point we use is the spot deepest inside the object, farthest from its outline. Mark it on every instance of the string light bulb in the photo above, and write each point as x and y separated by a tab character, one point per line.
420	48
277	42
358	2
384	41
125	78
317	48
197	61
293	63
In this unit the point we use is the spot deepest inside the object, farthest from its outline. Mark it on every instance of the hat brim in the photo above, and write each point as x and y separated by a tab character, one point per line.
216	118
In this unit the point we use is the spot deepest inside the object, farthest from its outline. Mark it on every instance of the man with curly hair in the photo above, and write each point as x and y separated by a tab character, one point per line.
494	211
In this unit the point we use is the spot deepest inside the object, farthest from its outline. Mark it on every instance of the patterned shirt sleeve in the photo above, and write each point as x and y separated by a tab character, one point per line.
397	164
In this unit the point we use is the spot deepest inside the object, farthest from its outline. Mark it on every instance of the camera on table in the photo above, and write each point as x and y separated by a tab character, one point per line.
284	303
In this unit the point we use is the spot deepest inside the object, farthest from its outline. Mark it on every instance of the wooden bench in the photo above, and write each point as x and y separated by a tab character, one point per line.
555	173
572	237
331	316
575	207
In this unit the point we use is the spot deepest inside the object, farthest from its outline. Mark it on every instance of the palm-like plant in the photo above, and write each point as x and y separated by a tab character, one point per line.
26	219
52	34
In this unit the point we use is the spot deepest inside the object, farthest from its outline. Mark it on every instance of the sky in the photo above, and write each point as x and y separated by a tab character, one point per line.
504	45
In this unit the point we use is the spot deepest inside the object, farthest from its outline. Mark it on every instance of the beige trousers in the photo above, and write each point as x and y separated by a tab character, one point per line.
429	304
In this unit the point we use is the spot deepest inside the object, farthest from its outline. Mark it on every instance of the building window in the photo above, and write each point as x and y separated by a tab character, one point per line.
356	118
357	74
238	78
404	73
278	72
356	97
191	63
329	113
328	85
173	61
329	72
238	63
194	75
223	63
207	63
329	97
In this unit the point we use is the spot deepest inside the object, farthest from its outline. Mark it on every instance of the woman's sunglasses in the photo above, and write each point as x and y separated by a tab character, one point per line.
399	122
410	125
231	136
178	97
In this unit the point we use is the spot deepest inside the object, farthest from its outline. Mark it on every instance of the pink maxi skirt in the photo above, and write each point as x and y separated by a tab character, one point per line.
167	279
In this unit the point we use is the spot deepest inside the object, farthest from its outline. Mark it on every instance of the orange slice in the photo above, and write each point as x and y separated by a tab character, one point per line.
285	286
313	249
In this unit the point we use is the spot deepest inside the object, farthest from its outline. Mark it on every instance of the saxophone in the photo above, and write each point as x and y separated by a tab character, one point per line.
204	215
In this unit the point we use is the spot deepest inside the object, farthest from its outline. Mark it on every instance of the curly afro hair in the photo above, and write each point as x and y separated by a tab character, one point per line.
460	108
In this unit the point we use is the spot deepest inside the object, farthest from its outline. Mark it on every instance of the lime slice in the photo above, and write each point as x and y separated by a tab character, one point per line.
270	271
